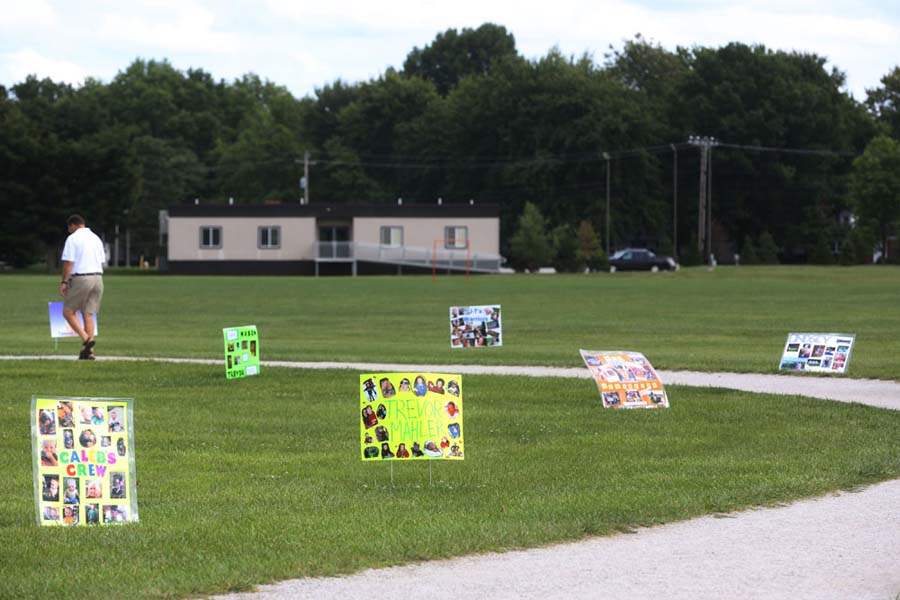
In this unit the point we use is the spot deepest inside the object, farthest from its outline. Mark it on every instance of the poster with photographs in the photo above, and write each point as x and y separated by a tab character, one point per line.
625	379
241	351
83	461
410	416
817	352
59	327
474	326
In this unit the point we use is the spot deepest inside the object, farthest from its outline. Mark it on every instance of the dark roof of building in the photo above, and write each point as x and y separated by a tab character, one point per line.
335	210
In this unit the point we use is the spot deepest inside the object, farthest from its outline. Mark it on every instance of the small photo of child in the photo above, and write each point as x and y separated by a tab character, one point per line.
50	488
117	485
94	488
64	411
116	418
70	515
70	495
92	514
47	421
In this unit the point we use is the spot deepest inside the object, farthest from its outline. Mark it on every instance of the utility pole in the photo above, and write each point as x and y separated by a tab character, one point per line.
674	201
304	181
606	156
306	177
704	210
709	154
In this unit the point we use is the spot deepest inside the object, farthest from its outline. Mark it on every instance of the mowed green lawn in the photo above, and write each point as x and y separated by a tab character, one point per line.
733	319
250	481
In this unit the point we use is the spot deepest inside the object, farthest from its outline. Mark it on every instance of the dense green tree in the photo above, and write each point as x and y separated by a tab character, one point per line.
875	187
884	102
530	247
748	255
468	118
590	253
455	54
566	258
767	249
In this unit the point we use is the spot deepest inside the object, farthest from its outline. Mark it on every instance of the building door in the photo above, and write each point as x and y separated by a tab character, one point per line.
334	241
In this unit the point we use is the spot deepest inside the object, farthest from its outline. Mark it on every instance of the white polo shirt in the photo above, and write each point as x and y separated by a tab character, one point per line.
84	249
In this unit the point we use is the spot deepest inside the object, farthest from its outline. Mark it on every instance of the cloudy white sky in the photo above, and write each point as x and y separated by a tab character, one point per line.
303	44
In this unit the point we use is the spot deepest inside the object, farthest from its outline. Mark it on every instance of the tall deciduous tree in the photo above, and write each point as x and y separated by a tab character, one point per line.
884	102
875	186
455	54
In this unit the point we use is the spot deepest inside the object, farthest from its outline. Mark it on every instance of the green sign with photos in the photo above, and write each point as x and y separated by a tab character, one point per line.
241	351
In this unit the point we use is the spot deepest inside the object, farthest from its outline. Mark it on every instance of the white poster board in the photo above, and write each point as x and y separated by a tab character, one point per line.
475	326
817	352
59	327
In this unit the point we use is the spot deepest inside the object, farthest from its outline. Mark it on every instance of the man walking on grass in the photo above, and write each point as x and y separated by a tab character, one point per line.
82	281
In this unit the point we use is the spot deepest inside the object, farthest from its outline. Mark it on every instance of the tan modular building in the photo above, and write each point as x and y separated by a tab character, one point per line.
330	238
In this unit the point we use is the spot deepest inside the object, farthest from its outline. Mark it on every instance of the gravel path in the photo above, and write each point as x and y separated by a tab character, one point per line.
840	546
874	392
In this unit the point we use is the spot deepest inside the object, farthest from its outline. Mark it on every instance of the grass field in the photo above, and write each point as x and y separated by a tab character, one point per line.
250	481
728	320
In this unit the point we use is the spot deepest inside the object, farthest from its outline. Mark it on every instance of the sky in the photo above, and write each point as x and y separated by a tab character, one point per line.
304	45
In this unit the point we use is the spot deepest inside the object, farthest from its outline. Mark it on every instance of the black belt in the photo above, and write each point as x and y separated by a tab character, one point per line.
84	274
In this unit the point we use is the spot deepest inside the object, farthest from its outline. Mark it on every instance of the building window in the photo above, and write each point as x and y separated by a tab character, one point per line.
210	237
456	237
391	236
268	237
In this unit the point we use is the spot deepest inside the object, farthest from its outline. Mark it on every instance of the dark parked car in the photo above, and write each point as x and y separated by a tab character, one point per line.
641	259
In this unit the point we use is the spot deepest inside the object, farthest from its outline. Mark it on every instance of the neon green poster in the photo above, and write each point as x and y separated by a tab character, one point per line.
83	460
411	416
241	351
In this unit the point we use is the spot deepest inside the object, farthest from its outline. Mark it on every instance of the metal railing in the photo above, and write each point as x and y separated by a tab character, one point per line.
334	251
415	256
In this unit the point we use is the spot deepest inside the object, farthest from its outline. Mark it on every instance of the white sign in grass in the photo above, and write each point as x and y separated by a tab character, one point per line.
59	327
817	352
474	326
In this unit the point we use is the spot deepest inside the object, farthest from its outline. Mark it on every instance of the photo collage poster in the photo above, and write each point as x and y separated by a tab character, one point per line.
625	379
83	457
59	327
241	351
474	326
410	416
817	352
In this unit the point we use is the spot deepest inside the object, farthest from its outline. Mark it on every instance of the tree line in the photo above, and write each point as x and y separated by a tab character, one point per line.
805	168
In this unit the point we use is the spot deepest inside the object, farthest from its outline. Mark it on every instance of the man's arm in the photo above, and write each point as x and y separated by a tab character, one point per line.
66	275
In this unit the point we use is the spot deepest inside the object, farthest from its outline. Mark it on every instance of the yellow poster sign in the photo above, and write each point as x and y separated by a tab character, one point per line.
411	416
83	460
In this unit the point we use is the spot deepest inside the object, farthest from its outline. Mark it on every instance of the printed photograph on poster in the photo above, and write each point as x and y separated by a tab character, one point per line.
241	351
817	352
625	379
59	327
83	456
475	326
411	416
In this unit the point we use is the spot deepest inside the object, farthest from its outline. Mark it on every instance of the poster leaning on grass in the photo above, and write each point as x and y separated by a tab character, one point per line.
83	460
475	326
411	416
817	352
625	379
241	351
